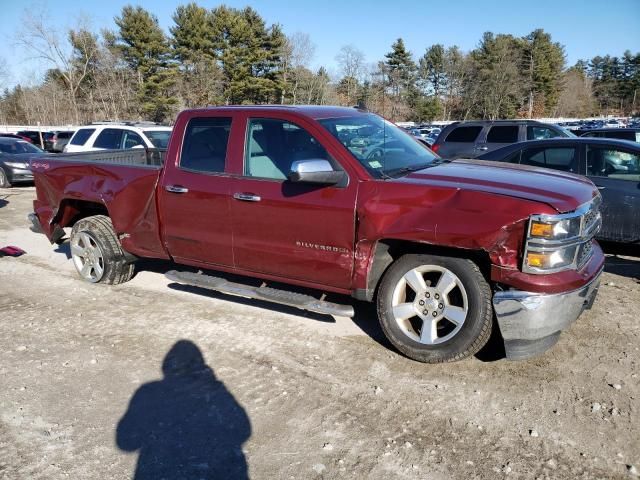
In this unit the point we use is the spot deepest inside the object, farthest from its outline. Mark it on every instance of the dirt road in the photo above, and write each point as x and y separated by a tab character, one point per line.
102	382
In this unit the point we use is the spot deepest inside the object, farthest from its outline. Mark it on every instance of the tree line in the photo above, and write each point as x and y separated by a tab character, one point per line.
226	56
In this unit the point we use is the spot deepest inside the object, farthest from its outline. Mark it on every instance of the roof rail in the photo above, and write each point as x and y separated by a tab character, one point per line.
129	123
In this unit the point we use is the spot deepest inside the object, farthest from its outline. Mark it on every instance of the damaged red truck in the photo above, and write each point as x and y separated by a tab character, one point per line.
340	200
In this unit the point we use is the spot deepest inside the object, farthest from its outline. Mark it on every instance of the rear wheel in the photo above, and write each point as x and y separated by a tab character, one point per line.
435	309
96	252
4	180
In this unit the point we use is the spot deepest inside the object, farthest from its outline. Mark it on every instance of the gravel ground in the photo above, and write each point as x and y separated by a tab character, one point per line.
150	380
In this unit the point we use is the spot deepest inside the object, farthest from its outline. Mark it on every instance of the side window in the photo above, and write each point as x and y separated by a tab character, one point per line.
590	134
132	139
205	144
541	133
109	138
503	134
558	158
81	136
464	134
273	145
613	163
623	135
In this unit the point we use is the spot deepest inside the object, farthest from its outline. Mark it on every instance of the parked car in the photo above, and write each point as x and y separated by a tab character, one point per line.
16	136
15	155
632	134
34	136
471	139
113	136
612	165
281	193
59	140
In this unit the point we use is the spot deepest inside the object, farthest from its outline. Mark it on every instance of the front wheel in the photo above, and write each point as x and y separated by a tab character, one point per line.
4	180
435	309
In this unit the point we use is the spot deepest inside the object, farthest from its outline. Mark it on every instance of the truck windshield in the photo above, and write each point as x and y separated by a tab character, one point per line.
381	147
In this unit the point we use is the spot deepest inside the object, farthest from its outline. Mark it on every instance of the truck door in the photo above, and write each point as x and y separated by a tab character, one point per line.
194	194
292	230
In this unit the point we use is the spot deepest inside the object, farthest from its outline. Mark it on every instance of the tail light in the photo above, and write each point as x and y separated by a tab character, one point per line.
435	147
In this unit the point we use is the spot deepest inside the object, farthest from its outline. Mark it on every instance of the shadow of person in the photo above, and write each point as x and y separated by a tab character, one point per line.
187	425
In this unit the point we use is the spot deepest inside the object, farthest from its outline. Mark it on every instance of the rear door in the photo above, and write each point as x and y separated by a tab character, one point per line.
194	194
460	142
616	173
497	136
285	229
557	157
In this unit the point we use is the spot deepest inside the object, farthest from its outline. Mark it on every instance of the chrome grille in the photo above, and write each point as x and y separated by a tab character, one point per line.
584	253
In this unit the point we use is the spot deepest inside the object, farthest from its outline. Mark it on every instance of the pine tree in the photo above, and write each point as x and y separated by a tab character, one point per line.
145	48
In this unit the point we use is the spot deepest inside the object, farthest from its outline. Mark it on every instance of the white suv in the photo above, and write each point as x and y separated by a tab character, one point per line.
115	136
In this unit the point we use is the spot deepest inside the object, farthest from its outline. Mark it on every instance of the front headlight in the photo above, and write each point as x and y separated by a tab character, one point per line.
558	242
17	164
552	260
555	230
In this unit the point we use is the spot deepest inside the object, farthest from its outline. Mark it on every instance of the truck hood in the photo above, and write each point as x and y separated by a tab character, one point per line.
563	191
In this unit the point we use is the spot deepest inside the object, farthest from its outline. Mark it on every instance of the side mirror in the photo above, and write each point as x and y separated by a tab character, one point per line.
315	171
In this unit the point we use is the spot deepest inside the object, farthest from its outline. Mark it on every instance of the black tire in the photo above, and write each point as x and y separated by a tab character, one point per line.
117	269
4	180
474	331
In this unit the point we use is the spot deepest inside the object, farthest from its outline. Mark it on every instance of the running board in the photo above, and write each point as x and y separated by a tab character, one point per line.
267	294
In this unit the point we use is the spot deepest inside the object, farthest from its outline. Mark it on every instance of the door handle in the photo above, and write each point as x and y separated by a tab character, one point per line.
176	189
247	197
483	148
601	188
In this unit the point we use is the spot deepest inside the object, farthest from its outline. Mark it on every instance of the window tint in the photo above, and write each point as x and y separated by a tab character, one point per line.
591	134
622	134
613	163
81	136
558	158
132	139
273	145
64	134
464	134
109	138
503	134
541	133
205	144
159	138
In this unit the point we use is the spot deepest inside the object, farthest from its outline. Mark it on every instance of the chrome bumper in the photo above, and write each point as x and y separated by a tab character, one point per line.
531	323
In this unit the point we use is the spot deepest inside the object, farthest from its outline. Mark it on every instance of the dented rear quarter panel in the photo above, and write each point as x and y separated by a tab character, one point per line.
127	192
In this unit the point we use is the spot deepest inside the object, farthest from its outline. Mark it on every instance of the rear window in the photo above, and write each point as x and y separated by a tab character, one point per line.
159	138
109	138
623	135
81	136
558	158
205	144
464	134
503	134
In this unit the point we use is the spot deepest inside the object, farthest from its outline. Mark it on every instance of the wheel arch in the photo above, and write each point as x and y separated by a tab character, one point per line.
387	250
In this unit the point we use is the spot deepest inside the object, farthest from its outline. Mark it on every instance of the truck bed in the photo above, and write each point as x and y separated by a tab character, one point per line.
120	183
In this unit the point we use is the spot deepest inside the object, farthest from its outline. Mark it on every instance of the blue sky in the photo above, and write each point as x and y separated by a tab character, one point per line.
586	28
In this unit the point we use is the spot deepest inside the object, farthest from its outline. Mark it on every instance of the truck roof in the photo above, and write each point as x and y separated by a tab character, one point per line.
316	112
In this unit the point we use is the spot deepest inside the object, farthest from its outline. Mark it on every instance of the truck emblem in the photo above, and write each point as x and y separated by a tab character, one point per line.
324	248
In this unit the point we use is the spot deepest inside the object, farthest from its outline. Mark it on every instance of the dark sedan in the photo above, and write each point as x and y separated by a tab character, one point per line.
612	165
14	161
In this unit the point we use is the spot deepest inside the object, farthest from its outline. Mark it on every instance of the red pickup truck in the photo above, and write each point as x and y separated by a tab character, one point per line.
339	200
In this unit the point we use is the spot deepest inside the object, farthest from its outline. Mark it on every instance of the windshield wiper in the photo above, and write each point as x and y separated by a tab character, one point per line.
414	168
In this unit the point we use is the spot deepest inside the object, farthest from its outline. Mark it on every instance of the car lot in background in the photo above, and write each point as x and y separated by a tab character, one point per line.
114	136
14	161
16	136
473	138
34	136
612	165
632	134
59	140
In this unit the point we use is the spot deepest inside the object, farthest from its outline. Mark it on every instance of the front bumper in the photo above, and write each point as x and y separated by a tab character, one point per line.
531	323
20	175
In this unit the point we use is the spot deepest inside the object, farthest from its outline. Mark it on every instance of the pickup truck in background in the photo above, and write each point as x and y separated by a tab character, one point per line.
339	200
